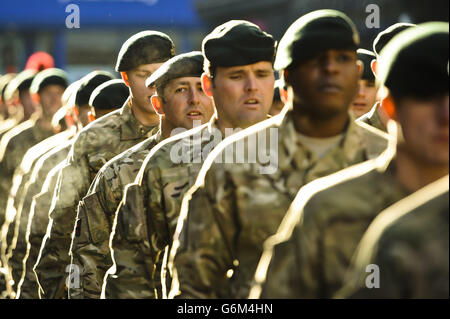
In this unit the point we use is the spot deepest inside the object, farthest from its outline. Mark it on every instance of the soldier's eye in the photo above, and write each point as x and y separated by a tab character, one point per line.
180	90
235	76
263	74
344	57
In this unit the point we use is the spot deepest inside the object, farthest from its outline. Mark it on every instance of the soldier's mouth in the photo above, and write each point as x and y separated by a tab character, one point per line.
251	103
329	88
194	114
359	105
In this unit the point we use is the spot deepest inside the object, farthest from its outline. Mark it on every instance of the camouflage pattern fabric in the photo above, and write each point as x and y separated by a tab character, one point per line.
373	118
409	244
146	219
223	224
95	145
95	216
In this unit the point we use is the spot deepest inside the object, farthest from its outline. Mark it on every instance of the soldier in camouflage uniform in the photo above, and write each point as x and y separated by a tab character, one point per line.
378	115
49	86
8	119
367	92
80	96
238	69
408	243
312	250
223	224
113	92
180	91
140	56
22	175
17	92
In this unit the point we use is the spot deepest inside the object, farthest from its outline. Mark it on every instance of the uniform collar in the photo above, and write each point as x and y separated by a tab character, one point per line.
350	146
131	128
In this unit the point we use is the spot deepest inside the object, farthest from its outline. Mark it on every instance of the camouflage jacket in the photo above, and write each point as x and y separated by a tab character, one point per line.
373	118
223	225
36	228
34	186
96	210
147	216
6	125
408	243
13	147
95	145
18	202
21	180
310	262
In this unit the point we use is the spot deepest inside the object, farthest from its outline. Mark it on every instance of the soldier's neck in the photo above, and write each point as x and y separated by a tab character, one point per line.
45	123
309	125
144	117
414	174
167	130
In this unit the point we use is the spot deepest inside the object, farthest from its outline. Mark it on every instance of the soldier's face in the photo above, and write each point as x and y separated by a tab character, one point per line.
83	114
140	93
50	99
27	102
425	128
365	99
185	102
243	95
325	85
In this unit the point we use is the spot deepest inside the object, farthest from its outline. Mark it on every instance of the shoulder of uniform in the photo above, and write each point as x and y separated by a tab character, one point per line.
97	132
338	191
109	121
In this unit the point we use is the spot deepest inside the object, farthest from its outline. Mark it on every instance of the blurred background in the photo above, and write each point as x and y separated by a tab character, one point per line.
27	26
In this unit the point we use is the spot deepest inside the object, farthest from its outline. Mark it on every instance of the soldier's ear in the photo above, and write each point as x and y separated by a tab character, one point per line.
360	66
373	66
206	84
283	94
157	104
124	76
388	106
91	116
35	98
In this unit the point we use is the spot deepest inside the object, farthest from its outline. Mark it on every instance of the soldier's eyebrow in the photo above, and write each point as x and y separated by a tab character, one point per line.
263	71
177	83
144	71
236	71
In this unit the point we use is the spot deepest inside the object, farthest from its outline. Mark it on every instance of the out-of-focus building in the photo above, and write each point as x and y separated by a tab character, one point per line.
275	16
27	26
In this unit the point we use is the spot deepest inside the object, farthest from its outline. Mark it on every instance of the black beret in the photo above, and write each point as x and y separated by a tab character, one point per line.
47	77
414	63
109	95
313	33
69	95
4	81
145	47
88	83
366	57
183	65
236	43
21	82
385	36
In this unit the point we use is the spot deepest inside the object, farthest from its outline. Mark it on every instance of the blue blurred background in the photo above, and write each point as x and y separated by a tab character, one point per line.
27	26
